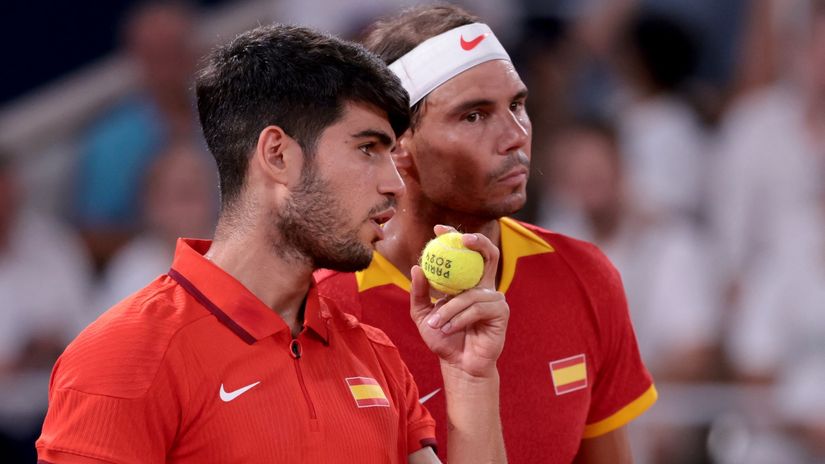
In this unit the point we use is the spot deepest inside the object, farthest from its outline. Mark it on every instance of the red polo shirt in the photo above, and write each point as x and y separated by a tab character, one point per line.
195	369
570	368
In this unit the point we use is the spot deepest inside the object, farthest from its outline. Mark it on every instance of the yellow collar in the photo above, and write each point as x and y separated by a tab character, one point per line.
516	242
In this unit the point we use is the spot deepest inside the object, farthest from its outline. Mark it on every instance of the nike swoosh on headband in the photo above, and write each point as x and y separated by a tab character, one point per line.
469	45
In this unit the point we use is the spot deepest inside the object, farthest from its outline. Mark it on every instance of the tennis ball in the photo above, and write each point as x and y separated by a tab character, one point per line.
450	266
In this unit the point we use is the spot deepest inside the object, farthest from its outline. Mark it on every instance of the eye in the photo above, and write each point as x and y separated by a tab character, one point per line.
473	117
367	149
516	105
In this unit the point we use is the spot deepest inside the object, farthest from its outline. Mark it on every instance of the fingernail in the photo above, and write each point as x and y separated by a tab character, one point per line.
447	327
433	320
472	238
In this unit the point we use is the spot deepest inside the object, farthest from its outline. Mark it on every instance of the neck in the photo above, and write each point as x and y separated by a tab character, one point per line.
279	282
412	227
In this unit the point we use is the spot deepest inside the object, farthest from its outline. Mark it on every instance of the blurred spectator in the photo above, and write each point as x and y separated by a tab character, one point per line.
768	214
45	278
778	336
660	134
771	147
159	39
179	200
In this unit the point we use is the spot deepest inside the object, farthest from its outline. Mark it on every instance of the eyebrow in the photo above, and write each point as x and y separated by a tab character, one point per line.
383	137
470	104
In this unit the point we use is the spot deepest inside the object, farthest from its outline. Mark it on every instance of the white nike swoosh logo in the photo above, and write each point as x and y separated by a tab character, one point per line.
428	396
229	396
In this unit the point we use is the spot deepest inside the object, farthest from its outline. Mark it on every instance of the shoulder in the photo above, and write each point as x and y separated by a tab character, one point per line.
587	263
343	320
121	353
576	252
586	259
378	338
386	353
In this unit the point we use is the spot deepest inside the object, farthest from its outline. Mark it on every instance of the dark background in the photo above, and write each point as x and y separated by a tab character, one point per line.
41	41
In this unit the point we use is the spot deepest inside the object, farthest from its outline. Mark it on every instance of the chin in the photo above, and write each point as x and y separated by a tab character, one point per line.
511	205
348	260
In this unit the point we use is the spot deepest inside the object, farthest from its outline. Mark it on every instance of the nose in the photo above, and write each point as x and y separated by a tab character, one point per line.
516	133
389	181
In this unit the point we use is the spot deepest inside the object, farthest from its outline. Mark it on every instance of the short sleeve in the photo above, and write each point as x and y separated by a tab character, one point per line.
420	425
623	388
414	420
85	424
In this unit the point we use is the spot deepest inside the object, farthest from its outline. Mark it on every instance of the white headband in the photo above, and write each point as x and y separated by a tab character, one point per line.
440	58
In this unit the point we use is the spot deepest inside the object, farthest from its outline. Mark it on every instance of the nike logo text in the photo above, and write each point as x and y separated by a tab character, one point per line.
229	396
428	396
473	43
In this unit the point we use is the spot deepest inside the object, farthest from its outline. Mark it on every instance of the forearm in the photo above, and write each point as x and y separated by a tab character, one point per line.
474	422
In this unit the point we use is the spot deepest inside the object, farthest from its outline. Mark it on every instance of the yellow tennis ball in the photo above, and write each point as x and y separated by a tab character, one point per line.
450	266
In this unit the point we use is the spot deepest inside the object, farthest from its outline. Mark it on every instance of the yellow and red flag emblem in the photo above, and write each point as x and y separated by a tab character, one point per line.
569	374
367	392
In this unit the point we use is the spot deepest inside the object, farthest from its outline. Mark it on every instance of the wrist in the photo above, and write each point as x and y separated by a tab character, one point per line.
457	378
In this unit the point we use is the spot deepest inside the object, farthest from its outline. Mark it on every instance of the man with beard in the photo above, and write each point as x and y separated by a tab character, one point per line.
571	374
232	356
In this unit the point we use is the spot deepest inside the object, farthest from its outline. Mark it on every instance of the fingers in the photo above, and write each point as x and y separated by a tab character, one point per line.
441	229
482	244
468	308
420	303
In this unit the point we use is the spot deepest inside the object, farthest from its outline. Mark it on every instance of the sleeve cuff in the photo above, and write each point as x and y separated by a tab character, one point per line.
623	416
421	436
49	456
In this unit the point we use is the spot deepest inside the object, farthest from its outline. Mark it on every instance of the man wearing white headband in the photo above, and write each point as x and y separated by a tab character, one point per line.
571	374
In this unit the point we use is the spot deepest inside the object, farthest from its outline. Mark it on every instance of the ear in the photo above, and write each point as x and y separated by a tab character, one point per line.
278	157
402	153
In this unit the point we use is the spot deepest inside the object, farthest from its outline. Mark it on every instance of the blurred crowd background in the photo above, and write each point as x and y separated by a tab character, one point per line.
686	138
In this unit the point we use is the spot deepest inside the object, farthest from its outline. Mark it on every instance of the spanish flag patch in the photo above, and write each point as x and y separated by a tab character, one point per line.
569	374
367	392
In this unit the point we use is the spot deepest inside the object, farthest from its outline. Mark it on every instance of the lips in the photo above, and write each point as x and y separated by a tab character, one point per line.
377	220
383	216
515	175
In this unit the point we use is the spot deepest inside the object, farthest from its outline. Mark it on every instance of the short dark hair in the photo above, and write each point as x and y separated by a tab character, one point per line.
391	38
292	77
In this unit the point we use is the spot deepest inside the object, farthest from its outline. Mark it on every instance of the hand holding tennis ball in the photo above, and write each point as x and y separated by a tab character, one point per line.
449	265
465	328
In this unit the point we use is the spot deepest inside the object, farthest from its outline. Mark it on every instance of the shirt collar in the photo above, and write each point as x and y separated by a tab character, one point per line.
516	242
232	303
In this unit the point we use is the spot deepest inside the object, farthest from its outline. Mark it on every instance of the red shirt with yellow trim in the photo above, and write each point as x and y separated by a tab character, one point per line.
195	369
570	368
